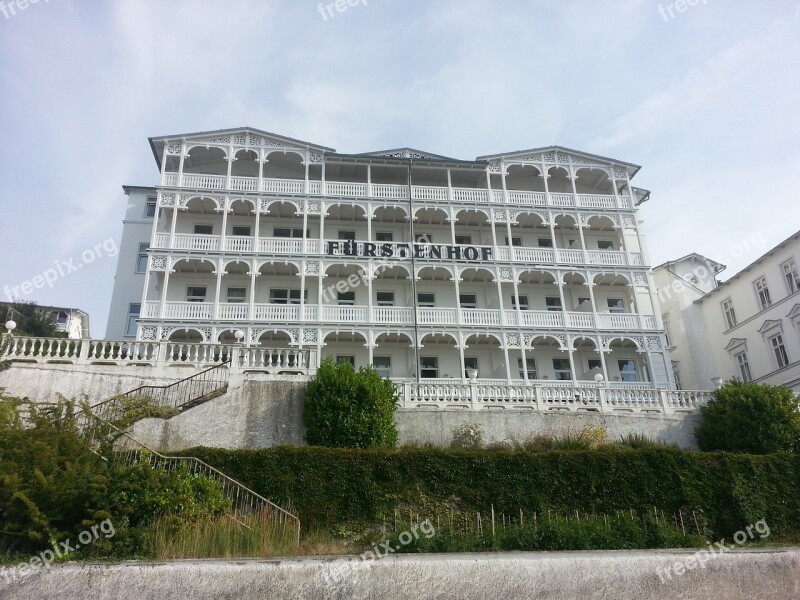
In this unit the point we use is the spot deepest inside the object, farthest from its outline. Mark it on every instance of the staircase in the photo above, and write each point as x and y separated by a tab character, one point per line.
100	423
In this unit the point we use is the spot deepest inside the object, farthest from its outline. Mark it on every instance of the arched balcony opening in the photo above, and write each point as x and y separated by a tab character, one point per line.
625	363
558	181
245	164
275	339
593	181
577	299
587	360
198	205
565	232
535	302
283	165
529	231
346	346
205	161
472	228
614	295
439	357
525	178
393	356
390	224
241	208
602	234
227	337
546	361
185	336
482	352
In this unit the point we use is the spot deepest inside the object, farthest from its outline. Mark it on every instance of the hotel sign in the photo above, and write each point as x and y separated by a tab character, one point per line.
406	250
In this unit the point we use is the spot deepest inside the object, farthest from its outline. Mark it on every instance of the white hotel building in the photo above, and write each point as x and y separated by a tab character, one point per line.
527	266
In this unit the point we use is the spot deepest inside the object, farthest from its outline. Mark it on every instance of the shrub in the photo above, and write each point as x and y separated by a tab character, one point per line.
751	418
467	436
345	408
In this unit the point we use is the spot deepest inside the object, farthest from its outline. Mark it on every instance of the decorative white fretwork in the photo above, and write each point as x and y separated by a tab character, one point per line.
505	274
310	336
315	158
166	332
494	166
640	280
312	267
512	340
174	147
158	263
148	333
313	207
619	174
166	200
654	344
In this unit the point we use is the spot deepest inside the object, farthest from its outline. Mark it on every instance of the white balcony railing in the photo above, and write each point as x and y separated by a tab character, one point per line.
398	315
394	191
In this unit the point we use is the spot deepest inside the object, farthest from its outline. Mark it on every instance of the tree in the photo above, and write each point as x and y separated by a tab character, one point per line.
752	418
345	408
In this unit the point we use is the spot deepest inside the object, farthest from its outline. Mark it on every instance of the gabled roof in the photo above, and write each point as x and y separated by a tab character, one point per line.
596	157
159	140
718	267
409	153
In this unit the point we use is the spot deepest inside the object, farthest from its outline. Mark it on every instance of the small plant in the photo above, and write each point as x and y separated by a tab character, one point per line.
467	436
638	441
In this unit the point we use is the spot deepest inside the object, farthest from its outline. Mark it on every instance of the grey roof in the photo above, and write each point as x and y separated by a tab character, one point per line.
718	267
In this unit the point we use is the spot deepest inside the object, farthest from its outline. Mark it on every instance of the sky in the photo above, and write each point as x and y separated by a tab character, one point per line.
705	98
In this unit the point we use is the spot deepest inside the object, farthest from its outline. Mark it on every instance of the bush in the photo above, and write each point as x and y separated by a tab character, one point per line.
638	441
345	408
334	486
751	418
467	436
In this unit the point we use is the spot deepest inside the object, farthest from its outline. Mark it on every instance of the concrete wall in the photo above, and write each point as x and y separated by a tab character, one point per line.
261	411
41	382
734	575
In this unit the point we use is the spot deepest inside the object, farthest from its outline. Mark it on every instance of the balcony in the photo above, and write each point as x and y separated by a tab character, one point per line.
392	191
396	315
315	247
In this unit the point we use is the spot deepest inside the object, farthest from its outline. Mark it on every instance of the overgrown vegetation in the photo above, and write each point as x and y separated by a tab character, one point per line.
52	487
345	408
752	418
331	487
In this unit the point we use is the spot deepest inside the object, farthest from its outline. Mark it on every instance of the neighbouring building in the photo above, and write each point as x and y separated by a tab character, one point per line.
516	267
72	321
746	327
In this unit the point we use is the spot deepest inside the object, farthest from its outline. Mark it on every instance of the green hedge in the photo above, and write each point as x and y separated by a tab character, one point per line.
333	486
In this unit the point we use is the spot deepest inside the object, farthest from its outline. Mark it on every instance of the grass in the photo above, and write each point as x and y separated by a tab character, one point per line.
224	537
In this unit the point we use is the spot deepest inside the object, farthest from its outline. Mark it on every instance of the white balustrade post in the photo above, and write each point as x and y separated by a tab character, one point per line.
601	396
473	394
663	400
83	353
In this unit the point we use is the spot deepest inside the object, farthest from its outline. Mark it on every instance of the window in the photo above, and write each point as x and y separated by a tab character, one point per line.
531	368
595	363
666	331
545	242
288	232
203	229
141	258
429	367
150	207
60	316
676	374
283	296
382	365
791	276
346	298
627	370
424	238
464	240
744	365
553	303
730	314
762	291
615	305
384	298
347	235
240	230
562	370
523	302
470	362
468	301
584	303
133	314
515	241
384	236
426	300
605	245
351	360
236	295
196	294
779	350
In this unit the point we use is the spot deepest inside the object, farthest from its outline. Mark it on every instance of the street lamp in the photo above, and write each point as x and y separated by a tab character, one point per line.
11	325
239	335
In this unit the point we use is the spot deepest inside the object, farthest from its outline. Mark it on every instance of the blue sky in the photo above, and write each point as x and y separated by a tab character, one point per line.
706	101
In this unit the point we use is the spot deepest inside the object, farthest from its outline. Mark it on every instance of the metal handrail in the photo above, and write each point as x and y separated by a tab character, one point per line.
199	385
